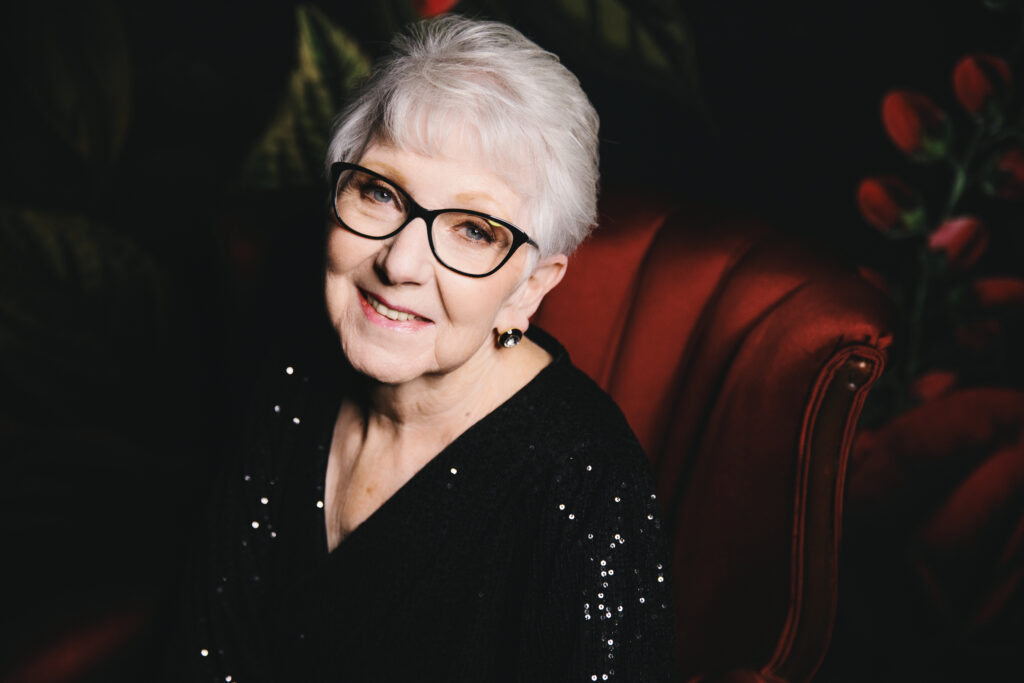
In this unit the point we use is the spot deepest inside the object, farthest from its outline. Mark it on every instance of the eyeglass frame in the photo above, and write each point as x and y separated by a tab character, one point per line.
414	211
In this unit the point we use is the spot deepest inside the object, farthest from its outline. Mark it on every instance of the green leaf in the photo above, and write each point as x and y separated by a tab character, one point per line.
329	64
650	32
915	221
614	21
648	40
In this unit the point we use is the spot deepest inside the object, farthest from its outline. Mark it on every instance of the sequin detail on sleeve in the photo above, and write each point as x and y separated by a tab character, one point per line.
613	571
625	594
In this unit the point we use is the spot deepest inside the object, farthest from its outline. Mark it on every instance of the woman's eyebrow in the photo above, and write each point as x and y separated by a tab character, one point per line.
474	196
385	170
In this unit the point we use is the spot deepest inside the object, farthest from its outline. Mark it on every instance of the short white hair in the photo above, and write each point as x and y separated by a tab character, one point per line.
516	103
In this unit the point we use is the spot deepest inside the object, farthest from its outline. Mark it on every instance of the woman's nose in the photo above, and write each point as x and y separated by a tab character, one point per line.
406	257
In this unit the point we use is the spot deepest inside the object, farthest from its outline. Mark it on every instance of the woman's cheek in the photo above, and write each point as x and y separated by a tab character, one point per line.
339	250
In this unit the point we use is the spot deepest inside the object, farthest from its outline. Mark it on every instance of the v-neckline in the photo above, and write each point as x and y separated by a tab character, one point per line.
439	461
401	492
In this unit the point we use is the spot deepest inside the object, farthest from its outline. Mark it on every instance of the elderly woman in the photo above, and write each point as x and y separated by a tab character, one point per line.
459	503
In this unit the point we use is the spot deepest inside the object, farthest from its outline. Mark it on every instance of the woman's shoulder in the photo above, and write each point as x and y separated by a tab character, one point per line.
581	439
600	543
570	411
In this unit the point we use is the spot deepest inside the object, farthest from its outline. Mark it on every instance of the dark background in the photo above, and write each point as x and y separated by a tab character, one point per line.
140	286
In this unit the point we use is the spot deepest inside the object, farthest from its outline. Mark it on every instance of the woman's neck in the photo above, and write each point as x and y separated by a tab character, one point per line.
386	433
442	406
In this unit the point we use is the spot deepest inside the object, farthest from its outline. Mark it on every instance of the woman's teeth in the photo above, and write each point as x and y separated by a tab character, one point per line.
389	313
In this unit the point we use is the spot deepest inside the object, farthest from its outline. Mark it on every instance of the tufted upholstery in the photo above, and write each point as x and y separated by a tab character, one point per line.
742	360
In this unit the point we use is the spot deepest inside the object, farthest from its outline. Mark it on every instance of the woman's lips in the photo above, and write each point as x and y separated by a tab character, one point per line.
388	315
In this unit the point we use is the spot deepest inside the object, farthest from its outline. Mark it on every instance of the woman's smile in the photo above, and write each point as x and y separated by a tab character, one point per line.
390	316
462	175
382	294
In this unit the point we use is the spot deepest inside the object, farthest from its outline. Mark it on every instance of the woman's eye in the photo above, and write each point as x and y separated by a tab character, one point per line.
380	194
476	233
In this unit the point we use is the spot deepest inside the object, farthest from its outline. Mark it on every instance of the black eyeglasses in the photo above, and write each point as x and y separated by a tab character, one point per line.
468	242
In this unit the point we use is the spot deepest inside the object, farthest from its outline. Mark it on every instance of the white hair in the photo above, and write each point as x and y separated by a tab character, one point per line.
503	95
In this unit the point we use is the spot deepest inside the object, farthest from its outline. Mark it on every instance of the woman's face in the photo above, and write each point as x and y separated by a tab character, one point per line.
399	313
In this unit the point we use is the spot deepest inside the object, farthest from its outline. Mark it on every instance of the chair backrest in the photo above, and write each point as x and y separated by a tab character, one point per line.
741	359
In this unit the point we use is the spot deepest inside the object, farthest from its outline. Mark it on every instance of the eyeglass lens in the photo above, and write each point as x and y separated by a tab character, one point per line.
371	206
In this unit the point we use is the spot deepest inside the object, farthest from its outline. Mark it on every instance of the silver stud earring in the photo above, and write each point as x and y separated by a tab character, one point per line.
510	337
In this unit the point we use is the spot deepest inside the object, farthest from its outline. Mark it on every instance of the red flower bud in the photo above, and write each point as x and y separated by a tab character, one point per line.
933	384
962	239
431	8
886	202
981	80
916	125
999	290
1004	176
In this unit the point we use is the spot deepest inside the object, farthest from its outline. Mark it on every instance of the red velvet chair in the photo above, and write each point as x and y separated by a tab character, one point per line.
742	361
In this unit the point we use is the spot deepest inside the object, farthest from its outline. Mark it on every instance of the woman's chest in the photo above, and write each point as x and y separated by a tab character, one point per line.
354	492
365	471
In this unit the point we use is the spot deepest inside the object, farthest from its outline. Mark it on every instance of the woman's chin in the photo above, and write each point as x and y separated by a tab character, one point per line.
378	366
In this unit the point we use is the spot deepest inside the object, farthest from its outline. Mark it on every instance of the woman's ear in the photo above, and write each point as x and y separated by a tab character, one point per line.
546	274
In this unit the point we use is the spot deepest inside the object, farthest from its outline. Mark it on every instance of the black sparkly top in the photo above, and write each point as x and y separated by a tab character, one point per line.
529	549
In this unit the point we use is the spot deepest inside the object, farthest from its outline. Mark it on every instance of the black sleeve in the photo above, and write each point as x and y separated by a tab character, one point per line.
214	628
603	607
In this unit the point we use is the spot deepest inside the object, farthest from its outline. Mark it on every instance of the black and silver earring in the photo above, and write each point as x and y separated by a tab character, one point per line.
510	337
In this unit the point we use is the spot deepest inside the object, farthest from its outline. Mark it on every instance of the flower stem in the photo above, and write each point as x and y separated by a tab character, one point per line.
956	190
961	170
918	307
